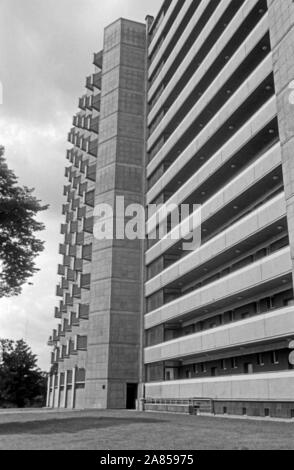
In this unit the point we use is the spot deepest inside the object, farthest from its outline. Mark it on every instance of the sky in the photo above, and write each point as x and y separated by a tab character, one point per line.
46	51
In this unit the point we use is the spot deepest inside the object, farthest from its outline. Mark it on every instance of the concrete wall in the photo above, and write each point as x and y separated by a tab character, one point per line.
116	284
281	19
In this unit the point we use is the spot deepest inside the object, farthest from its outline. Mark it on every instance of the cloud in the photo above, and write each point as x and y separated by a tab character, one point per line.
47	53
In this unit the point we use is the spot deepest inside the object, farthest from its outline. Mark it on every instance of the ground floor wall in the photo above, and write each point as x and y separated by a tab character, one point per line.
93	395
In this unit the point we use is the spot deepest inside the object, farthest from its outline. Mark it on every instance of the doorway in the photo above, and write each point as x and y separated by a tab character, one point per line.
132	395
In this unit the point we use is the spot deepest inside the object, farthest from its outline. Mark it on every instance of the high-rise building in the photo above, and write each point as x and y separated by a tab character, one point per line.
195	107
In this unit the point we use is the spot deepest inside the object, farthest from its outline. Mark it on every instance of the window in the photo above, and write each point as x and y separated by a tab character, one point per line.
234	363
245	315
260	359
248	368
188	374
267	412
223	364
214	372
195	369
274	358
203	368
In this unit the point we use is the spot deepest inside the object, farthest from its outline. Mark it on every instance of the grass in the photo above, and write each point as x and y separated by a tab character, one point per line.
123	430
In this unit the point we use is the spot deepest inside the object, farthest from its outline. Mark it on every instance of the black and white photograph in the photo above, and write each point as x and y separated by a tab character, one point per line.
147	229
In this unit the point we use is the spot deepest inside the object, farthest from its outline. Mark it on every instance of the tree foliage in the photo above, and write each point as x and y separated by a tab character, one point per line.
21	382
18	243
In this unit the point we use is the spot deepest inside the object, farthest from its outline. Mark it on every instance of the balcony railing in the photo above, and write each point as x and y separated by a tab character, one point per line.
90	198
91	172
93	148
96	102
89	83
87	252
89	225
57	313
97	79
85	281
83	311
98	59
94	125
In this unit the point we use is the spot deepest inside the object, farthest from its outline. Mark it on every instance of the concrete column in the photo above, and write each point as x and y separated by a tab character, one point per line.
58	390
64	404
53	391
73	390
281	21
48	392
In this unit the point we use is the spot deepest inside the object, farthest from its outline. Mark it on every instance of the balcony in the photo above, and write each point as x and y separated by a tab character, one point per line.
82	103
68	300
78	265
80	238
260	224
258	277
89	102
96	102
72	251
94	125
243	191
63	229
98	59
74	321
70	275
97	79
60	332
76	291
75	204
235	106
71	348
261	329
271	386
85	281
81	343
89	225
62	307
74	227
62	249
57	313
93	148
91	173
89	83
83	311
82	212
90	198
59	291
87	252
69	155
253	130
82	189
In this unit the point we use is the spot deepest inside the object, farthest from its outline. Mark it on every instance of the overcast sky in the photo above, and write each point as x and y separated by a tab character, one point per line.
46	49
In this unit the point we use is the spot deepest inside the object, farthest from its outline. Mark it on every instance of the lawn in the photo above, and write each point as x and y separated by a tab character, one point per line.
122	430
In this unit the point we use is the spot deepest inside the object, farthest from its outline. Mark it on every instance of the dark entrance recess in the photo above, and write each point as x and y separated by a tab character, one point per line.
132	395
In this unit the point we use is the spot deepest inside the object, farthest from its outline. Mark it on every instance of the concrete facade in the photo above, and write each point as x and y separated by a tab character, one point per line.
116	281
95	363
221	134
194	107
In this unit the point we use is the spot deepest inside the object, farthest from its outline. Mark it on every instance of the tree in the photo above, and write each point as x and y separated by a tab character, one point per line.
21	382
18	243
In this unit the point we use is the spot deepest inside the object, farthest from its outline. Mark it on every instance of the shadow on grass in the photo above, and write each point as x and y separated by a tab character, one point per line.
70	425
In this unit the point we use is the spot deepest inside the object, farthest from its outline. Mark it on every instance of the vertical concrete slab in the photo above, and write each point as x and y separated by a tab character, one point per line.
116	279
